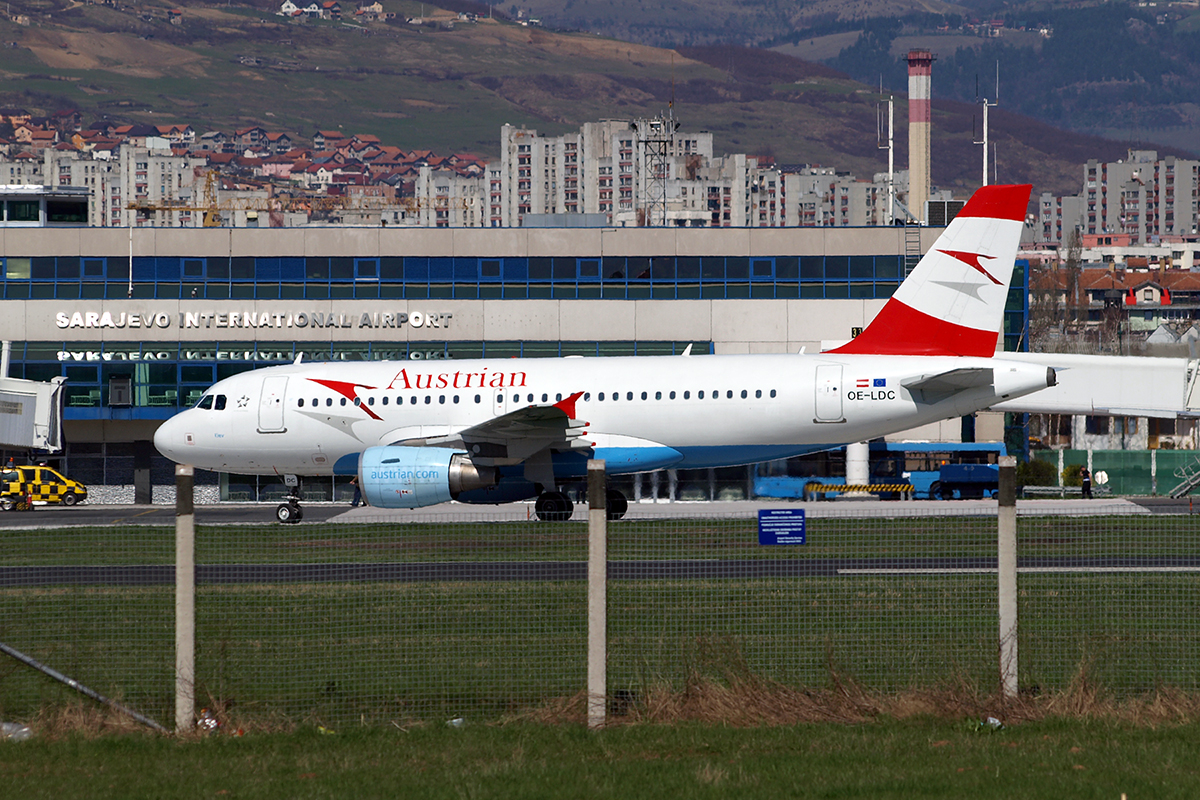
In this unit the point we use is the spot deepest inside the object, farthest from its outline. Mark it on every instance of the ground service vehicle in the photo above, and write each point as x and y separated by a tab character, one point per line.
40	483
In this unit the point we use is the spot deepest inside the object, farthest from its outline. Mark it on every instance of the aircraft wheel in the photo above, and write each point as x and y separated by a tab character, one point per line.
935	490
553	507
70	499
288	513
616	504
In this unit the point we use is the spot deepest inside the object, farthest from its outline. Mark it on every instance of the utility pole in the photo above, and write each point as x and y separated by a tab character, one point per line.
891	151
987	105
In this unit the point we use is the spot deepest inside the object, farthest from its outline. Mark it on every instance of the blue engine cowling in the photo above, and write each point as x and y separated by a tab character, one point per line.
412	477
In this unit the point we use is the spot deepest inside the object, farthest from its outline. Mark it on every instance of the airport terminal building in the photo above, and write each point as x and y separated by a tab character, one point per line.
141	321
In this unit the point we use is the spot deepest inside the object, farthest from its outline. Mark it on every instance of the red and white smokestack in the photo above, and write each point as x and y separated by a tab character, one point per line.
920	79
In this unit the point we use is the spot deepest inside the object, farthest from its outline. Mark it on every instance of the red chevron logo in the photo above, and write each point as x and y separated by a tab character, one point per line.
350	392
972	261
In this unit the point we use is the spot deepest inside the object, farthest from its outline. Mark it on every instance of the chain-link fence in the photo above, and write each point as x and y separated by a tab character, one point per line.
386	620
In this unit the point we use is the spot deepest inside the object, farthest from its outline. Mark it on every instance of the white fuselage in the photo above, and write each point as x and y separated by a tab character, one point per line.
711	410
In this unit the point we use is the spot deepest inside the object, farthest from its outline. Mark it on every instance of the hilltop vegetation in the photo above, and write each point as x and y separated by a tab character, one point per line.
449	85
1115	68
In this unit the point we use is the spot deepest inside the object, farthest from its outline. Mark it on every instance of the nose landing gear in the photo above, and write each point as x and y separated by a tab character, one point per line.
290	512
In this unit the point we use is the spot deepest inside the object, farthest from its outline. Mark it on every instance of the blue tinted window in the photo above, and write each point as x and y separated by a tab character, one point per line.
416	268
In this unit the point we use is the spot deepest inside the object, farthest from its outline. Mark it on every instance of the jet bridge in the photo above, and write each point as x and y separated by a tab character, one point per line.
30	411
1127	386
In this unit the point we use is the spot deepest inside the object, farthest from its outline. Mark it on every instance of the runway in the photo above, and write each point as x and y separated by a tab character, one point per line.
518	571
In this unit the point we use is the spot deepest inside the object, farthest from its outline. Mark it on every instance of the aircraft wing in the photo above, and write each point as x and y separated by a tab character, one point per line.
516	436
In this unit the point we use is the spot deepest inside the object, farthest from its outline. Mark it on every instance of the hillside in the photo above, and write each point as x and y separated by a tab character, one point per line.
448	85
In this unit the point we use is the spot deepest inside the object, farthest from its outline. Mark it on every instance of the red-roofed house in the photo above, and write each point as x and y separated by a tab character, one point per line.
323	139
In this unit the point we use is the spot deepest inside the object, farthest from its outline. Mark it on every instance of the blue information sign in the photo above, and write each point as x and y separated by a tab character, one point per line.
781	526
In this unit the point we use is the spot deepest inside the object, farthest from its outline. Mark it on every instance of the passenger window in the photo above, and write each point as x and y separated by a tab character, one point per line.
687	395
616	396
743	394
357	401
343	401
384	400
545	397
428	399
558	397
672	395
220	404
600	396
658	395
643	395
588	396
530	398
700	395
300	402
442	399
772	393
456	398
729	394
205	402
758	392
629	395
328	401
412	400
476	398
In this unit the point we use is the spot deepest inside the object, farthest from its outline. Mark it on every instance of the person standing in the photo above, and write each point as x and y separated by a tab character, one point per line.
357	493
1085	488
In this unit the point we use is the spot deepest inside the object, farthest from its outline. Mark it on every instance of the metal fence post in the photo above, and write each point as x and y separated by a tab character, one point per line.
597	602
185	600
1007	570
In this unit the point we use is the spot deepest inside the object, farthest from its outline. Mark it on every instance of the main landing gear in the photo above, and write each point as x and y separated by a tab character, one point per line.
553	507
290	512
557	507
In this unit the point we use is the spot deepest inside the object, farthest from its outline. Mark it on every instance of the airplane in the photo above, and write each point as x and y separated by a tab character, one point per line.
503	430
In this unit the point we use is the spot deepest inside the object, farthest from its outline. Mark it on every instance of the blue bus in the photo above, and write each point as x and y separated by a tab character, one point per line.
890	463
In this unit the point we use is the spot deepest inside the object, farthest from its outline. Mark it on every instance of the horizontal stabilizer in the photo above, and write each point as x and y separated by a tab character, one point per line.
954	380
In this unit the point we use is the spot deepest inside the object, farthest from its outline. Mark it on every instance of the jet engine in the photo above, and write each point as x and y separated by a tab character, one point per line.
412	477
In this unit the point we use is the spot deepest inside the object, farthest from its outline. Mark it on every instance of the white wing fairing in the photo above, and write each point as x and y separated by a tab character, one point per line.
499	430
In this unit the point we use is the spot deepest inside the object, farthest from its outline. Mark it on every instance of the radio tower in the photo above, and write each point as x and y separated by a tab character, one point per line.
654	138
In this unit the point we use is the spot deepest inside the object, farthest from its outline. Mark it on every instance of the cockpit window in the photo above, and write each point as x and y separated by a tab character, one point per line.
220	404
205	402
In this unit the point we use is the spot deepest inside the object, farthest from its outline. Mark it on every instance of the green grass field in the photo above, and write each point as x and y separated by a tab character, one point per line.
917	757
380	651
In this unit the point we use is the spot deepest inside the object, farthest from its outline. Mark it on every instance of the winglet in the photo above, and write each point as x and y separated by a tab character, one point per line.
567	405
687	351
953	302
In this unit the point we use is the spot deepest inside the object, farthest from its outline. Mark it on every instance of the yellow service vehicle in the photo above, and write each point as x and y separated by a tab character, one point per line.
42	484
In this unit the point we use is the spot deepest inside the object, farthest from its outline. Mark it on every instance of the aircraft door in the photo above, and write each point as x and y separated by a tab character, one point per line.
501	406
270	404
829	393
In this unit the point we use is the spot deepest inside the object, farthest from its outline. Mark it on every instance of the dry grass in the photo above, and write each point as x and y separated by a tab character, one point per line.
741	700
737	699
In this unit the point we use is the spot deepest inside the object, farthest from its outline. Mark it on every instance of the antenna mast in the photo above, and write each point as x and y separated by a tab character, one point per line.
891	151
986	106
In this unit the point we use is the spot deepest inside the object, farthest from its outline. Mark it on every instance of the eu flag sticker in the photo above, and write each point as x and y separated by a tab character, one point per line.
780	526
881	381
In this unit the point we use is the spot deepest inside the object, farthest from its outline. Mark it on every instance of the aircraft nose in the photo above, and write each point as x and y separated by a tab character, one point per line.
172	437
